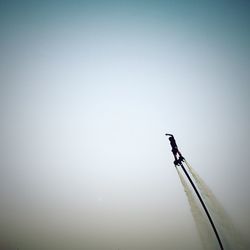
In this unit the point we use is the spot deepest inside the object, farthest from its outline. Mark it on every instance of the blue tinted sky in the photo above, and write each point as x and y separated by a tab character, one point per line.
88	89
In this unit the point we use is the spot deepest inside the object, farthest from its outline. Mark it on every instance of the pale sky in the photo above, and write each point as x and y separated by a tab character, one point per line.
88	91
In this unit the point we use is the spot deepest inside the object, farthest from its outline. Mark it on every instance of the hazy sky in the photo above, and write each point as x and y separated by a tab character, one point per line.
88	90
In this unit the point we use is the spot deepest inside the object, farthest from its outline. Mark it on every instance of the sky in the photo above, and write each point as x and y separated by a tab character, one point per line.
87	91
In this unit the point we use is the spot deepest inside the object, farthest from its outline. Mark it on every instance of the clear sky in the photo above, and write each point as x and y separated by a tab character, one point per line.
89	88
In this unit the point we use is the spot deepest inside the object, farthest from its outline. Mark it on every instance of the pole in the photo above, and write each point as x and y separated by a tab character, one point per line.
204	206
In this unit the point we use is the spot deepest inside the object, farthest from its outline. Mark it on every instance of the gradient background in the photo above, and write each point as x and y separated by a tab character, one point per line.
88	89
